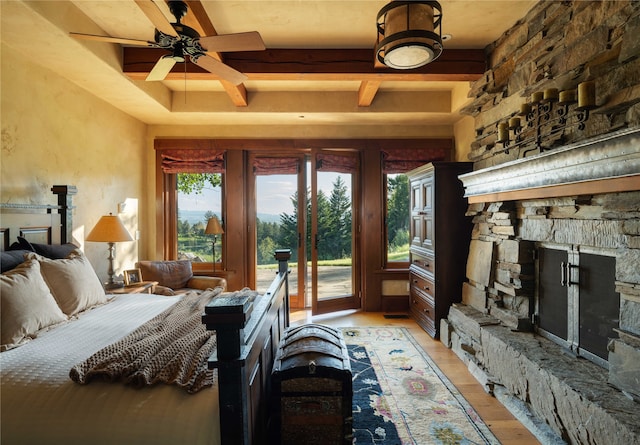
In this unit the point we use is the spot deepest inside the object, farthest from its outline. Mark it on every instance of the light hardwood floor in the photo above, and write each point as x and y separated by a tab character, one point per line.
505	426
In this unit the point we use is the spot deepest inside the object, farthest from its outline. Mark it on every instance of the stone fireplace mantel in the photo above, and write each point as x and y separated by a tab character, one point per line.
580	201
606	164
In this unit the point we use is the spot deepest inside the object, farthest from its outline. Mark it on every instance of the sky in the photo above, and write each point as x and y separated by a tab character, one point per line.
274	194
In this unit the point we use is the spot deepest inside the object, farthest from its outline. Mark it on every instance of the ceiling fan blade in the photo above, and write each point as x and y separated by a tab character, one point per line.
243	41
218	68
110	39
161	68
157	17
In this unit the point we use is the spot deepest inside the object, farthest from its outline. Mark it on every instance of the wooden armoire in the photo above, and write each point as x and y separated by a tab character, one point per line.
440	235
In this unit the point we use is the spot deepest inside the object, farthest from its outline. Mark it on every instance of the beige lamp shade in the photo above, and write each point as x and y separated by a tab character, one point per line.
213	227
109	229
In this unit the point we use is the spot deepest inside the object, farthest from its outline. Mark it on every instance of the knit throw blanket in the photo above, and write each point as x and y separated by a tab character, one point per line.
172	348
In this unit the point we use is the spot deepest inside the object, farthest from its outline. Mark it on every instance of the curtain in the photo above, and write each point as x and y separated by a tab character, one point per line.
276	166
336	163
402	160
192	161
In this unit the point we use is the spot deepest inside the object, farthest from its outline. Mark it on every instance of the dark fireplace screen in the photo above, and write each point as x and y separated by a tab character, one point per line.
577	305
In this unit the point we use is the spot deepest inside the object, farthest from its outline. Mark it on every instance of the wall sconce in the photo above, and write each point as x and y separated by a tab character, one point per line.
214	228
538	115
110	229
406	34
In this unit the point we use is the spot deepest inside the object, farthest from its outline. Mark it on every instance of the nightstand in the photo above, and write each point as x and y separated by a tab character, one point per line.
144	287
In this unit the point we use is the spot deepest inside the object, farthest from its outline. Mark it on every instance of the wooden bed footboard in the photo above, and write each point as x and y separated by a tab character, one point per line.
248	334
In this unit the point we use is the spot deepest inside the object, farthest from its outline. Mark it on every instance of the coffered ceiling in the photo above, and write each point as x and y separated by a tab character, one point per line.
318	67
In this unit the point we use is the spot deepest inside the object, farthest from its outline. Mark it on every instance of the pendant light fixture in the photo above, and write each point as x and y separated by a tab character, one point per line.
409	33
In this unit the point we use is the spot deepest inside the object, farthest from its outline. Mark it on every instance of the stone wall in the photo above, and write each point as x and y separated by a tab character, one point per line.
491	330
560	44
557	45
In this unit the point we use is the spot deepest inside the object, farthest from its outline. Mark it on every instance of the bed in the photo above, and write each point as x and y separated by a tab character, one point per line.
41	404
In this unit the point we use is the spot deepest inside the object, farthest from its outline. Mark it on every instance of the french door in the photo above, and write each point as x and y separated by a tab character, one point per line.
333	277
317	218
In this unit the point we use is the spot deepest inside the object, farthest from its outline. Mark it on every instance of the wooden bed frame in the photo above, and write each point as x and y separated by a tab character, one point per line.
248	332
39	223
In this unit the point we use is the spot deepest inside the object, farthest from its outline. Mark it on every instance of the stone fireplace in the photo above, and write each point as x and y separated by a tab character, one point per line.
579	383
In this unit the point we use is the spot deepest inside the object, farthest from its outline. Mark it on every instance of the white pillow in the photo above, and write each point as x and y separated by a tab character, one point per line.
72	281
27	304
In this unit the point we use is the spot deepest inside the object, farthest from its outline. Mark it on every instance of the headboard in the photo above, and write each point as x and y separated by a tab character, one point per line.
39	223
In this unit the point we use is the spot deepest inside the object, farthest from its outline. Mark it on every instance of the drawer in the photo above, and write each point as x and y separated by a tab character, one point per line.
422	262
423	311
423	284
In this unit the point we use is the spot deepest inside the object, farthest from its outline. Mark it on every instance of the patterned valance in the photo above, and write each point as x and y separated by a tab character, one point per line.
192	161
402	160
336	163
276	166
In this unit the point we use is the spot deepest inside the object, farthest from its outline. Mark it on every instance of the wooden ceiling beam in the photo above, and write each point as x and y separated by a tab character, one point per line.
314	64
304	145
367	92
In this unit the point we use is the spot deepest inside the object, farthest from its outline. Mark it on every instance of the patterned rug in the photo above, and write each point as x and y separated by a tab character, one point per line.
401	397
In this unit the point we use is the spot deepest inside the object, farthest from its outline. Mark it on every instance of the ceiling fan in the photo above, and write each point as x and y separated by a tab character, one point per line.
184	42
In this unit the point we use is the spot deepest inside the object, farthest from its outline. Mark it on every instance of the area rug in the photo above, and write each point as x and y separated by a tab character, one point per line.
401	397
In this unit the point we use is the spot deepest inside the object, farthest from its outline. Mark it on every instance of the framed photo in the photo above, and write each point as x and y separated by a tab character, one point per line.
132	276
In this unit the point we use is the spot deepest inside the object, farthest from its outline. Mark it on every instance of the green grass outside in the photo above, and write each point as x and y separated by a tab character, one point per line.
396	256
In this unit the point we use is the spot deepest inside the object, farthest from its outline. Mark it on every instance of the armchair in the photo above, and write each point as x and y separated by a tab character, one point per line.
176	277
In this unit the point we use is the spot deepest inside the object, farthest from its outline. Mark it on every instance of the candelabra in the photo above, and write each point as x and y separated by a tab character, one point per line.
548	108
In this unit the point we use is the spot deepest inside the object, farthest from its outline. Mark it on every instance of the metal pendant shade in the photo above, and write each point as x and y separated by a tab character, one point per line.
409	34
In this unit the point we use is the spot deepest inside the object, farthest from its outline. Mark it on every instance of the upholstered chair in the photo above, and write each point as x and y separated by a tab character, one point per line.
176	277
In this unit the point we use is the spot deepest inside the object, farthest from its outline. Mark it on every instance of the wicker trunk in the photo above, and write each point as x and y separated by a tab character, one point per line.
312	387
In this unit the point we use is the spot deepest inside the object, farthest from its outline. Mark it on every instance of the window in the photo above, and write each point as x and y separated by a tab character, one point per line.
199	199
397	220
191	192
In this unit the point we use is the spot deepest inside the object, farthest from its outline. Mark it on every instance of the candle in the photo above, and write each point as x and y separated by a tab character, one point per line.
551	94
537	97
567	97
525	109
514	123
503	132
587	94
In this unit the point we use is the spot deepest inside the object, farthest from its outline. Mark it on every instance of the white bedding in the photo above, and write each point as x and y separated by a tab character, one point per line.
40	404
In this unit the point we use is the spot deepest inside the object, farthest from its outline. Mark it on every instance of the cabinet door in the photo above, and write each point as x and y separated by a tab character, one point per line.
416	210
426	212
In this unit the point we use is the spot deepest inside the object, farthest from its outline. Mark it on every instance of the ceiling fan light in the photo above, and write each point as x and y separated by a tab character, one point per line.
178	53
406	34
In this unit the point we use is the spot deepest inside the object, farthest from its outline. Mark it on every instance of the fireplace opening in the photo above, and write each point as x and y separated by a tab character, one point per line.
576	302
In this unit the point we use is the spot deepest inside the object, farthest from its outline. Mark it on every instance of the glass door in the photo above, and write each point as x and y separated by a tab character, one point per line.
333	236
307	204
280	216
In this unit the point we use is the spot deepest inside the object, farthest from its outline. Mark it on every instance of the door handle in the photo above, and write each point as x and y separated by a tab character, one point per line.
565	274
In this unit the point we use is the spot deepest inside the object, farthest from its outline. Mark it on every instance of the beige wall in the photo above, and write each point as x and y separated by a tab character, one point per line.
464	136
59	133
56	133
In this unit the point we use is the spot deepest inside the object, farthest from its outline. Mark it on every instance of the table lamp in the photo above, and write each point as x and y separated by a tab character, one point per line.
110	229
214	228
